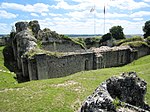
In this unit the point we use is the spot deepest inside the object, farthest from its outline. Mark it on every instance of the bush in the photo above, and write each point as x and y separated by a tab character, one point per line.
106	37
148	40
135	44
134	38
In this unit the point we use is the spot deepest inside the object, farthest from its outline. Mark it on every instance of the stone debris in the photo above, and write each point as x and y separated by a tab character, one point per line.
106	48
127	88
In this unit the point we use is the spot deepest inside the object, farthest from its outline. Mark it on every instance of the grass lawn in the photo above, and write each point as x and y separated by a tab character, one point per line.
60	94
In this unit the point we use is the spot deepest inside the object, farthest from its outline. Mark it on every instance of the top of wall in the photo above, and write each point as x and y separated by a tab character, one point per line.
106	48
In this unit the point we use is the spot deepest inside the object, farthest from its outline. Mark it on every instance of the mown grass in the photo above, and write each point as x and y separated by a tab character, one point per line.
61	94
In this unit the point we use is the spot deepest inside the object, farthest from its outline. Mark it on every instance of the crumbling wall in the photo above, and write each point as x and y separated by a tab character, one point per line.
54	67
112	58
43	66
142	51
63	46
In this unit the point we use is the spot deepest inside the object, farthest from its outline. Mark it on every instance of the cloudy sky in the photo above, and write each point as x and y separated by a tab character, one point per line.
74	16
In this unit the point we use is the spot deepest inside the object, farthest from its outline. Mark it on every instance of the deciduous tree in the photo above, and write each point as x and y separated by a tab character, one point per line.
146	29
117	32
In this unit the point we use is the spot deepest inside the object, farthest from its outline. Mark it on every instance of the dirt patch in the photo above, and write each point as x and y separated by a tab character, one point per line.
11	89
65	84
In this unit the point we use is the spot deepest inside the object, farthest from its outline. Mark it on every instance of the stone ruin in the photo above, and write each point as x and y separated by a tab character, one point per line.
118	94
35	54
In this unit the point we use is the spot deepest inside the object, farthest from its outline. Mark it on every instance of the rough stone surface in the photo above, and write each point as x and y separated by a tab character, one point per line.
20	26
127	88
34	25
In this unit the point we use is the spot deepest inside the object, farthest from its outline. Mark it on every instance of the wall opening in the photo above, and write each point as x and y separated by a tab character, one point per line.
86	66
121	60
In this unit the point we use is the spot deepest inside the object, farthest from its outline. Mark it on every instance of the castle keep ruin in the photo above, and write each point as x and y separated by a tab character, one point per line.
43	54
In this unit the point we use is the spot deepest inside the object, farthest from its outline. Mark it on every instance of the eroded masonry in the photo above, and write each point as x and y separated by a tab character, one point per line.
43	54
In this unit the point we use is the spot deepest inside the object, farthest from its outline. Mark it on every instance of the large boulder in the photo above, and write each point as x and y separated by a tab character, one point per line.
20	26
127	88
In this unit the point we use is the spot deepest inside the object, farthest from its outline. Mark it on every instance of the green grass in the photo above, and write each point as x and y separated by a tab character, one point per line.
2	67
61	94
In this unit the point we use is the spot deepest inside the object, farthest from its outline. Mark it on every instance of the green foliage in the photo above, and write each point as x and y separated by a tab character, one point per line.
134	38
79	41
146	29
117	32
135	44
148	40
116	102
106	37
2	67
92	41
39	44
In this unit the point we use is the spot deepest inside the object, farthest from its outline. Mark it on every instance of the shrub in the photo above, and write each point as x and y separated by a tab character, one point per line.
134	38
135	44
148	40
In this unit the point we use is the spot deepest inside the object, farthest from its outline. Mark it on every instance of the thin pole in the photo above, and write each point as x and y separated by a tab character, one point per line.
94	21
104	18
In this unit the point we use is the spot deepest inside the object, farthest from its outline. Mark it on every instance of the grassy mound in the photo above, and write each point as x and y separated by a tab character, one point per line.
61	94
135	44
135	38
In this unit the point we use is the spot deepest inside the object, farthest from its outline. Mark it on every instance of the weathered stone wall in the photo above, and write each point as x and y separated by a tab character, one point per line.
23	42
64	46
42	66
53	67
112	58
32	67
142	51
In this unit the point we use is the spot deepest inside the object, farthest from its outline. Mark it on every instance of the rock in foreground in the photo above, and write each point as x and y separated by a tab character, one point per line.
118	94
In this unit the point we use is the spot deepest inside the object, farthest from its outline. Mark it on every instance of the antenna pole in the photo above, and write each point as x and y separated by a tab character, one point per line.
94	21
104	18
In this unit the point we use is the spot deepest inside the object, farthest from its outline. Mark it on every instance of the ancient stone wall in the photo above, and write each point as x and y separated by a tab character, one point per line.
142	51
112	58
63	46
53	67
43	66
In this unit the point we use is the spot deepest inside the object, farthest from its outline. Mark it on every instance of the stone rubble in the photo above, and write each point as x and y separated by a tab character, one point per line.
127	88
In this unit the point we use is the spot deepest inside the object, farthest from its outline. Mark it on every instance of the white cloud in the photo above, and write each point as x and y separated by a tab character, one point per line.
128	4
7	15
43	14
79	15
137	19
38	7
34	14
81	6
146	0
140	14
54	15
86	4
5	29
